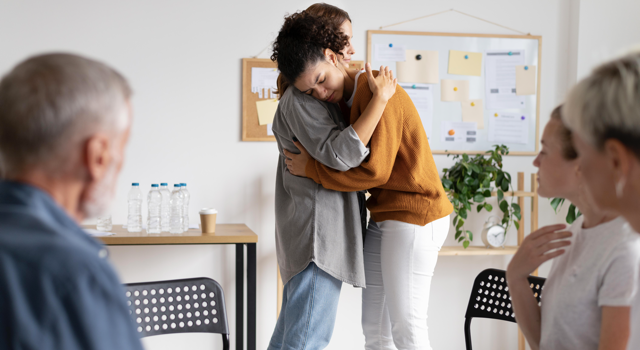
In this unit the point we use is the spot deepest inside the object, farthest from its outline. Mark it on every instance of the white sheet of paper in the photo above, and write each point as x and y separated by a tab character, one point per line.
264	79
269	129
422	97
382	52
500	79
458	131
509	128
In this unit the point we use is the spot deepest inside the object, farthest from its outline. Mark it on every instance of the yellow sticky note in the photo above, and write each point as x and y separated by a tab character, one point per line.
454	90
525	80
420	67
465	63
473	111
266	111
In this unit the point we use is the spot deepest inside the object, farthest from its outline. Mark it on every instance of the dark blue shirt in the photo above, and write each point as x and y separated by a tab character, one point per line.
57	290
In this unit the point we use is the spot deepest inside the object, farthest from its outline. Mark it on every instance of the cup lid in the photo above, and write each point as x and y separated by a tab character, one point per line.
208	211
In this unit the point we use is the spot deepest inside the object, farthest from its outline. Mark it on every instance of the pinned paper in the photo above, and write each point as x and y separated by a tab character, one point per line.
525	80
465	63
454	90
264	81
269	130
473	111
266	111
500	79
419	67
458	131
509	128
422	97
389	53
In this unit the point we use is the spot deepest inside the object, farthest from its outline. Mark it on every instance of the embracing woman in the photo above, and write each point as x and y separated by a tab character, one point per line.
408	205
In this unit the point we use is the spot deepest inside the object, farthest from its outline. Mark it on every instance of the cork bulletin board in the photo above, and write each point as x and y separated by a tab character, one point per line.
251	128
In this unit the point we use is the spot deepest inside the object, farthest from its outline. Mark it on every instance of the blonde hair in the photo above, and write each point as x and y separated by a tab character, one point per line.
606	104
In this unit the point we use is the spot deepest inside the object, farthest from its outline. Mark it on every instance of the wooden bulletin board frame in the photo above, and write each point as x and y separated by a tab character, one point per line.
251	128
539	64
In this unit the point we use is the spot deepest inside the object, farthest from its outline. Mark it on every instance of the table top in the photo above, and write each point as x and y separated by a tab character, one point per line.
225	234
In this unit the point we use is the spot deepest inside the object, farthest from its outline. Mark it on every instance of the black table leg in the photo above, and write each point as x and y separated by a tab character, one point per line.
251	296
239	296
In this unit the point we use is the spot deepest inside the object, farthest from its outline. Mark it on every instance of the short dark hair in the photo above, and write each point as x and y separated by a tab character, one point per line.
568	151
301	42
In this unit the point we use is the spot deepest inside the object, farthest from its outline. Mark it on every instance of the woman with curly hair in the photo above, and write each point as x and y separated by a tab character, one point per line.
318	231
408	205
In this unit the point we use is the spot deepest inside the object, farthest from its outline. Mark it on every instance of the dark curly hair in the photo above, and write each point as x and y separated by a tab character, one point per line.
301	42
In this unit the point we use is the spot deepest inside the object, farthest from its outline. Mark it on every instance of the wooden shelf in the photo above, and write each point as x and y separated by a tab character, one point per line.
225	234
476	250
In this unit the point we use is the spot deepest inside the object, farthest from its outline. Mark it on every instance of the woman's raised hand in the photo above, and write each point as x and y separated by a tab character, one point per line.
534	250
384	85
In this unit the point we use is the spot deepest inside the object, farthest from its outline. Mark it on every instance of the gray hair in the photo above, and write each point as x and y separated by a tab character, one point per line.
50	104
606	104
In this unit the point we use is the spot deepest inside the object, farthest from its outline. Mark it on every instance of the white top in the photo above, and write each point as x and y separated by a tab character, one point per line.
599	268
355	87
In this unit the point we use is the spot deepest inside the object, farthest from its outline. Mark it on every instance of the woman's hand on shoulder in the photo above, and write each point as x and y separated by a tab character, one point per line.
534	250
384	85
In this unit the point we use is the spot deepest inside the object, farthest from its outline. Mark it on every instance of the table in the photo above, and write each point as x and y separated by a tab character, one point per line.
238	234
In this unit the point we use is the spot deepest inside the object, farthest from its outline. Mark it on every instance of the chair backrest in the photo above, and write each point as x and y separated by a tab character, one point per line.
490	298
178	306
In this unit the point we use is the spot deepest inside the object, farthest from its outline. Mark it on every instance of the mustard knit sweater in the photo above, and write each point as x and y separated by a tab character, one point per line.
400	173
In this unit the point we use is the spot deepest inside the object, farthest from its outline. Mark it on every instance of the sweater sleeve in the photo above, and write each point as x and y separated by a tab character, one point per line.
385	143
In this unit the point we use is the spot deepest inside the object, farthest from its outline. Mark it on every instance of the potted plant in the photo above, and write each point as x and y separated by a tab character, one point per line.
470	181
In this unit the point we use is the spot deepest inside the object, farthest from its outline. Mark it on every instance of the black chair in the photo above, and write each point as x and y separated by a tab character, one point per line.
490	298
179	306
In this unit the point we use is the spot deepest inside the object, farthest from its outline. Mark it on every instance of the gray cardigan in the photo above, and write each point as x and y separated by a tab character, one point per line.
314	224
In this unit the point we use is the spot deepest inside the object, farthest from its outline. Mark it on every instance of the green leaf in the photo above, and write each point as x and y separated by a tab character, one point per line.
500	195
515	207
499	178
446	183
463	212
465	244
488	207
479	207
518	215
571	216
460	239
458	233
517	224
505	184
486	193
470	235
455	220
467	206
476	168
504	206
487	183
465	157
460	224
468	180
478	198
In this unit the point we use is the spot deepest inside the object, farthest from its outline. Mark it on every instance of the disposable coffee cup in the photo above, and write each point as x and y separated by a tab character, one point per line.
208	220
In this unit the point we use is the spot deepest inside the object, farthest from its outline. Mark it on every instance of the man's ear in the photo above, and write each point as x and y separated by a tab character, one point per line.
97	156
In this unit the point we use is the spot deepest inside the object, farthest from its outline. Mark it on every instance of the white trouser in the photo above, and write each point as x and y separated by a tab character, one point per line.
399	259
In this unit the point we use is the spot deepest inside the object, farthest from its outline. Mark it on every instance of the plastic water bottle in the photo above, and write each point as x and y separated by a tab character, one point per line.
185	205
104	224
134	217
176	210
154	201
165	208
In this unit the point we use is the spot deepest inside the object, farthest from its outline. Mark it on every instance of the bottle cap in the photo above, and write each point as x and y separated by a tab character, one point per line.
135	184
163	184
183	184
154	185
176	185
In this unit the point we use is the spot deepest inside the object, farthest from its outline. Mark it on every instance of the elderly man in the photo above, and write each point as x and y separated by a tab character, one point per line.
64	124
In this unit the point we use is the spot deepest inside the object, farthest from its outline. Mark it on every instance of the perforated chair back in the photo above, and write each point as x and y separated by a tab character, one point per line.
490	298
194	305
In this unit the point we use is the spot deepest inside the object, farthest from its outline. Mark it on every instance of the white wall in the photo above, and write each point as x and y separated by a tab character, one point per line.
607	29
183	59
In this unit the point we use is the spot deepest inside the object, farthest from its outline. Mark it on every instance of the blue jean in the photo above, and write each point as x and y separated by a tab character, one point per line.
308	314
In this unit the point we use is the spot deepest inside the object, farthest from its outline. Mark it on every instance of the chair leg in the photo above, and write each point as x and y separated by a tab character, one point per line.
225	341
467	333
